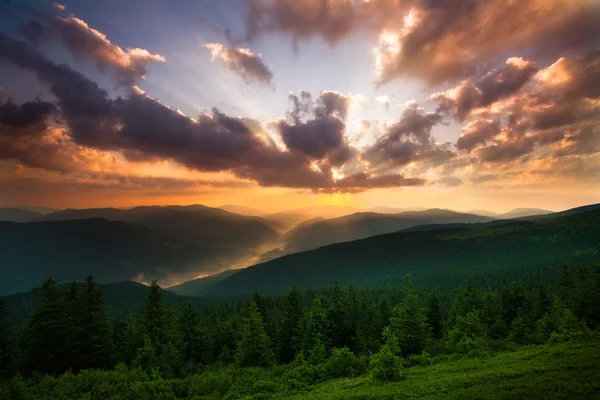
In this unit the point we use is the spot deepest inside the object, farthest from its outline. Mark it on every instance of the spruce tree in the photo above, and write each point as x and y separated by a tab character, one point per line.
289	327
195	346
99	351
45	344
385	364
434	316
254	348
315	328
409	322
7	345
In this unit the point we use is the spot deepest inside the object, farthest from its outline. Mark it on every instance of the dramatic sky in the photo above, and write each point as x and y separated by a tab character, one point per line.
275	104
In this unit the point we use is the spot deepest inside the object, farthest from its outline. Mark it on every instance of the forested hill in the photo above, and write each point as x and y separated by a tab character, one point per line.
110	250
442	258
120	298
356	226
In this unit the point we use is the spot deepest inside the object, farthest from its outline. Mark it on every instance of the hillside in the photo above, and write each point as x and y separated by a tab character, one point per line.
196	224
120	298
533	372
17	215
201	286
443	257
109	250
310	235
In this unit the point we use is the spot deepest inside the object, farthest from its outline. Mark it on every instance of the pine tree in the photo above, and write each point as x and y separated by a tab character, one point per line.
119	335
315	328
409	322
385	364
195	346
434	316
289	327
99	348
160	325
520	329
491	314
45	346
254	346
7	346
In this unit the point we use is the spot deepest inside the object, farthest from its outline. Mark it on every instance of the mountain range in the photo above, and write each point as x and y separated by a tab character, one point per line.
177	243
528	249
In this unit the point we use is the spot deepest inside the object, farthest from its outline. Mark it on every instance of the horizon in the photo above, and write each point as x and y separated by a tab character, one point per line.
279	106
353	209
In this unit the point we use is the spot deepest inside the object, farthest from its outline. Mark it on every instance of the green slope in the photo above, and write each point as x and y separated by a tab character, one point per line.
443	257
566	371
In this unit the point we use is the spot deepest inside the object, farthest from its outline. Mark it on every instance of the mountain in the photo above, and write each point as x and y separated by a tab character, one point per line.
516	213
528	250
195	224
310	235
40	210
242	210
17	215
201	286
383	209
109	250
120	298
524	212
485	213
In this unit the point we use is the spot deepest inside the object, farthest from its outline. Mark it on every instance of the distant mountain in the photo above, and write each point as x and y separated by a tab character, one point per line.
529	250
109	250
194	224
485	213
382	209
516	213
242	210
17	215
524	212
296	216
201	286
40	210
120	298
310	235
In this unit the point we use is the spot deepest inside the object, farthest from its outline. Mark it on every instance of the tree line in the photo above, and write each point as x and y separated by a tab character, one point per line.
339	331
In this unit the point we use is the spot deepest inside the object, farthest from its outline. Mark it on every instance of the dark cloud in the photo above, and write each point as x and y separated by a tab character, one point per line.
508	151
130	65
30	113
332	20
482	92
324	134
477	133
142	128
243	62
408	140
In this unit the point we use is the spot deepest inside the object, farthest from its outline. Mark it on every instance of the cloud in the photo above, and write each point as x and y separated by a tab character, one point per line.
143	129
440	40
477	133
493	86
408	140
322	133
330	19
130	65
243	62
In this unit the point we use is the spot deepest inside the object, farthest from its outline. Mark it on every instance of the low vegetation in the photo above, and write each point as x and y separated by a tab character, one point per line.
338	343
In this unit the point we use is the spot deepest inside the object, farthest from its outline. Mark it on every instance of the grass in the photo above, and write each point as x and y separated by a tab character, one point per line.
564	371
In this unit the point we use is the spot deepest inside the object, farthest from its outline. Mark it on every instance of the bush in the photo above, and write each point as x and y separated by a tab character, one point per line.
386	366
343	363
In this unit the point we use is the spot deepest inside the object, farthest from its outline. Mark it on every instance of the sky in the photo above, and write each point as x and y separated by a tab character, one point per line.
280	104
